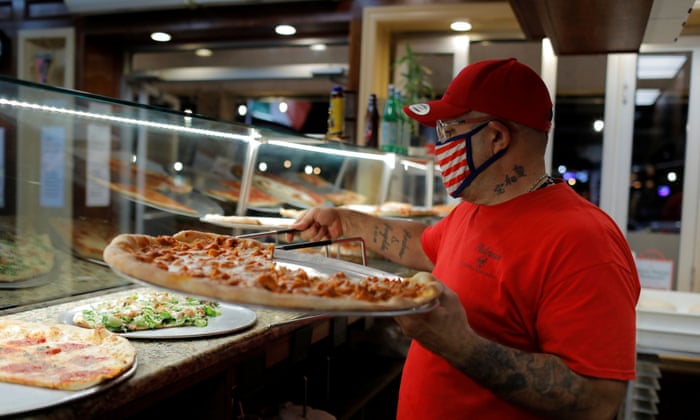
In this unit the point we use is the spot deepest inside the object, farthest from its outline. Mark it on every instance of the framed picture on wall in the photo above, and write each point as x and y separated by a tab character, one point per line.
47	56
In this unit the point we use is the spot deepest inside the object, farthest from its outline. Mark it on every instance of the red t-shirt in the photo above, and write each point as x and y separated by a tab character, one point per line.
545	272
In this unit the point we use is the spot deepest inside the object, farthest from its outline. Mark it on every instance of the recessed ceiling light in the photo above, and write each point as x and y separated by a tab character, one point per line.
646	97
318	47
203	52
659	66
285	30
461	26
161	36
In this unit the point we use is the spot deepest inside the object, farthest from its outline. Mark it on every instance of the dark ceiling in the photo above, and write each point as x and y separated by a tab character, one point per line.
574	27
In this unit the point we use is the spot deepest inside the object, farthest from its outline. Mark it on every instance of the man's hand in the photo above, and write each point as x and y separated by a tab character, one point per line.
318	223
445	330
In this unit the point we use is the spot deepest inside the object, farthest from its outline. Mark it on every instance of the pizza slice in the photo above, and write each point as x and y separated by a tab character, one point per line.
23	257
146	311
152	197
232	192
86	236
61	356
154	180
287	190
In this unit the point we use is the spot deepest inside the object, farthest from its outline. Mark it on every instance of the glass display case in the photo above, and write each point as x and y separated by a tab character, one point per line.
77	169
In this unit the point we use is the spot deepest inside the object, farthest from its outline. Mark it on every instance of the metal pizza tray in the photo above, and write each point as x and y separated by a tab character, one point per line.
319	265
265	222
233	318
16	399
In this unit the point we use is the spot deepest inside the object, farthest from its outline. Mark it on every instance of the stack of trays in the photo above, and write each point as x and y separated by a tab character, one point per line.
668	321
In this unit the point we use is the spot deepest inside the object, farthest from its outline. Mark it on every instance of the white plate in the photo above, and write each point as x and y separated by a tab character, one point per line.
233	318
15	399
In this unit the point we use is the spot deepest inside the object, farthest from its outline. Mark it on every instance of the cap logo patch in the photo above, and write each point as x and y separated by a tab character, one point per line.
420	109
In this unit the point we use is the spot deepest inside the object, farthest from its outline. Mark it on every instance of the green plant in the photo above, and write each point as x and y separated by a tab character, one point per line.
416	86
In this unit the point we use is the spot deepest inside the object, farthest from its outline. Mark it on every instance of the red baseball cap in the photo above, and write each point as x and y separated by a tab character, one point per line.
503	88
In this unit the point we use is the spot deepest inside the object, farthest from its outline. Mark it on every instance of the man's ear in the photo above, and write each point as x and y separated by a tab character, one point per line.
501	136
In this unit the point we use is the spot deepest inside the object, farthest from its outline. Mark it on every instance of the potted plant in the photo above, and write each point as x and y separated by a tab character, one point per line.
416	86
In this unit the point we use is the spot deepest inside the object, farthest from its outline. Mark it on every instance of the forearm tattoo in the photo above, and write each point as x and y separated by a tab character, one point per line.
387	239
519	376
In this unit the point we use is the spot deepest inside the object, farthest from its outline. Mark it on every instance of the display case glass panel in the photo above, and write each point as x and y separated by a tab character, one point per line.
77	169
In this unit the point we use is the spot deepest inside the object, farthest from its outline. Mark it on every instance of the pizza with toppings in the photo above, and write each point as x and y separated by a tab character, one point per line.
23	257
287	190
245	271
151	179
152	197
147	311
330	192
232	192
86	236
61	356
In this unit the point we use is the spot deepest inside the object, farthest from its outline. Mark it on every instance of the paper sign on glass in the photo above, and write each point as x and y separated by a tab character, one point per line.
97	166
53	143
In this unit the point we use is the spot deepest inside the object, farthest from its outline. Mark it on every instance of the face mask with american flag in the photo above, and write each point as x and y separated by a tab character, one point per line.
456	161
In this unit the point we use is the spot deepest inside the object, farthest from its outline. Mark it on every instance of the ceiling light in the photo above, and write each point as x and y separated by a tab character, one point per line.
318	47
659	66
461	26
285	30
645	97
203	52
161	36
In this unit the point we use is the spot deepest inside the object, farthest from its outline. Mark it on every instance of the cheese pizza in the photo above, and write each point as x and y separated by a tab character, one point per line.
245	271
61	356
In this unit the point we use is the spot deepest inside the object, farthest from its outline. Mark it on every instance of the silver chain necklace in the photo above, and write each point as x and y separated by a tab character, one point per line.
539	180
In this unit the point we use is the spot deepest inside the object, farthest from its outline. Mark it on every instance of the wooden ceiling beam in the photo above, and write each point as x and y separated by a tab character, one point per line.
585	27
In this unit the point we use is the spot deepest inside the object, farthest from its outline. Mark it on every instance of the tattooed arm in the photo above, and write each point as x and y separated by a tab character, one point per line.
397	240
539	382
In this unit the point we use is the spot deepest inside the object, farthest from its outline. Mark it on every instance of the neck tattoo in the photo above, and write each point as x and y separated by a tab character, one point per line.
542	181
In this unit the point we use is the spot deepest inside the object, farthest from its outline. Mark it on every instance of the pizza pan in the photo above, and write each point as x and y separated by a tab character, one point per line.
263	223
233	318
15	399
314	265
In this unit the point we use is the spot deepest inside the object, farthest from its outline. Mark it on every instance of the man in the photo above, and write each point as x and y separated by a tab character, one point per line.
538	316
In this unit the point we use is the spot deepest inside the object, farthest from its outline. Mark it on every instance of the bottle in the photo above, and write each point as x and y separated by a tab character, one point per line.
390	123
372	123
403	141
336	114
